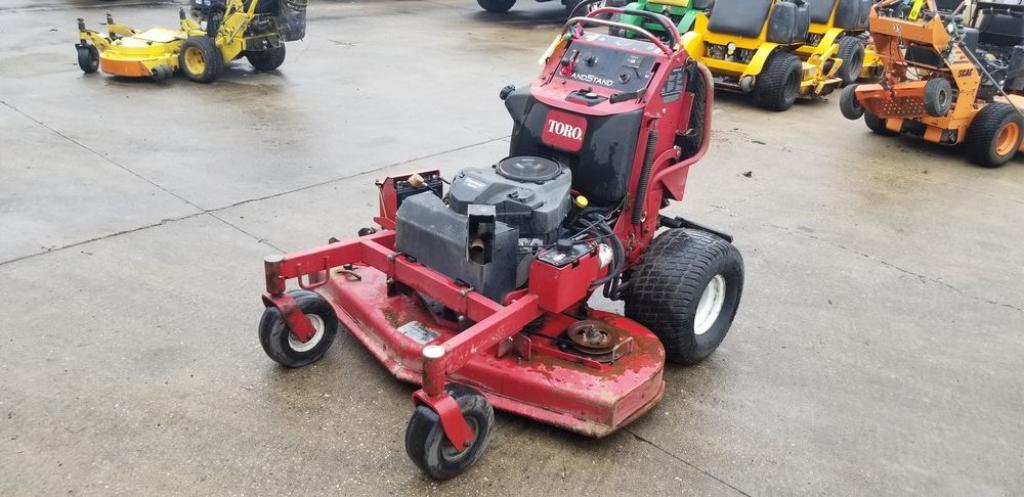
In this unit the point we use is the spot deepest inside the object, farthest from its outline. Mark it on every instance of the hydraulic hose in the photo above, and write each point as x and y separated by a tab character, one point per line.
645	175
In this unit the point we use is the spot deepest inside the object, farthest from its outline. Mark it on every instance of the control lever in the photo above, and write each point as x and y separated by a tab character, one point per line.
506	91
624	96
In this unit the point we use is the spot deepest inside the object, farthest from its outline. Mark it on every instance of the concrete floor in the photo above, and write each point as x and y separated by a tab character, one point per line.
878	350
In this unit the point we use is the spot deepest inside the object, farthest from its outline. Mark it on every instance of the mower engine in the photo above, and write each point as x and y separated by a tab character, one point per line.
492	223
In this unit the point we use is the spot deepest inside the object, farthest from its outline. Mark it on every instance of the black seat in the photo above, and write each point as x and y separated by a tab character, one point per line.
739	17
853	14
821	10
789	23
1003	29
702	4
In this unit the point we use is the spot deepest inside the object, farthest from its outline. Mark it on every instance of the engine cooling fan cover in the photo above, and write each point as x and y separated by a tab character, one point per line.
528	168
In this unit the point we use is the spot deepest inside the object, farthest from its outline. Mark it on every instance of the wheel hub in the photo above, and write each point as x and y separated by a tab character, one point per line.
709	307
318	325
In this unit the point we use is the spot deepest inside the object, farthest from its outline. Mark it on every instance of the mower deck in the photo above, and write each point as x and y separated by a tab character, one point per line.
528	375
137	55
516	355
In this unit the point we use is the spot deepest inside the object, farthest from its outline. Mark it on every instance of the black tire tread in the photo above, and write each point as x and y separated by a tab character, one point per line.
88	59
667	281
425	426
497	6
770	90
849	105
273	330
984	130
267	60
932	104
877	125
849	48
212	55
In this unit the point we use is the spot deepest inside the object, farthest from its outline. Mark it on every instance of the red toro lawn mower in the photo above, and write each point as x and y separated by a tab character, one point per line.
477	288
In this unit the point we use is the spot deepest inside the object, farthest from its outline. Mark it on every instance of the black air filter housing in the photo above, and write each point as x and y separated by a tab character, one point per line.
439	238
529	193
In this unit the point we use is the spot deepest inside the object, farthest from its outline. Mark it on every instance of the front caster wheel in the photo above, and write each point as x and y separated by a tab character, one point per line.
427	446
284	347
687	291
88	58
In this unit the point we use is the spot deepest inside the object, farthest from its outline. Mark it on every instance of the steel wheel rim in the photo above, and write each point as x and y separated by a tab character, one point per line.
710	305
194	60
318	325
1007	139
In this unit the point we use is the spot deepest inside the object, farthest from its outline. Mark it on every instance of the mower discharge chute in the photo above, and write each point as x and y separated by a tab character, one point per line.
217	32
947	82
477	290
754	46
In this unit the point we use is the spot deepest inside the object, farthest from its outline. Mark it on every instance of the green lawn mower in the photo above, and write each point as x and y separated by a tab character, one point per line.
682	12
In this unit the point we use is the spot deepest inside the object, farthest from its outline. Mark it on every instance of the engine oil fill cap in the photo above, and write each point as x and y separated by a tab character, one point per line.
528	168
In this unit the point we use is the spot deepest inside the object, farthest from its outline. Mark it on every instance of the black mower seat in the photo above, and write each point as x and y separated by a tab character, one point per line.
1005	29
821	10
702	4
853	14
790	22
739	17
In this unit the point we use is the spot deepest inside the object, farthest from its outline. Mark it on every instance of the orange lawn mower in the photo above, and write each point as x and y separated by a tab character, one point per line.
947	81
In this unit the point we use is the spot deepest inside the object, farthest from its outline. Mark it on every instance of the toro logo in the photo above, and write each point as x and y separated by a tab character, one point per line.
565	131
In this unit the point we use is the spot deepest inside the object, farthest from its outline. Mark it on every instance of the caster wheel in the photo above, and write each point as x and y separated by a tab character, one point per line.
162	73
88	59
849	105
285	348
427	446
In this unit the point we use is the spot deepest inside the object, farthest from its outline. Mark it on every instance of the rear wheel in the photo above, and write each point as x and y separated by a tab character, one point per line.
267	60
849	105
200	59
88	59
994	136
687	291
778	86
851	50
427	445
496	5
877	124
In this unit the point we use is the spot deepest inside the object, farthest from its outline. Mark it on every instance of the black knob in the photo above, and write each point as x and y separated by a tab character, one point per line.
564	245
506	91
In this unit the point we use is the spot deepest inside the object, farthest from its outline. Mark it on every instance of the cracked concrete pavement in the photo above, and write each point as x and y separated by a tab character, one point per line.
878	350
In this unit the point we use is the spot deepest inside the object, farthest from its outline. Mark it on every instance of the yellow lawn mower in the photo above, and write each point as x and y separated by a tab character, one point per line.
753	46
842	23
216	32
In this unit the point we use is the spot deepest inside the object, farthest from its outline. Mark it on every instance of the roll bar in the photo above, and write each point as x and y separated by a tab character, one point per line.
592	18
